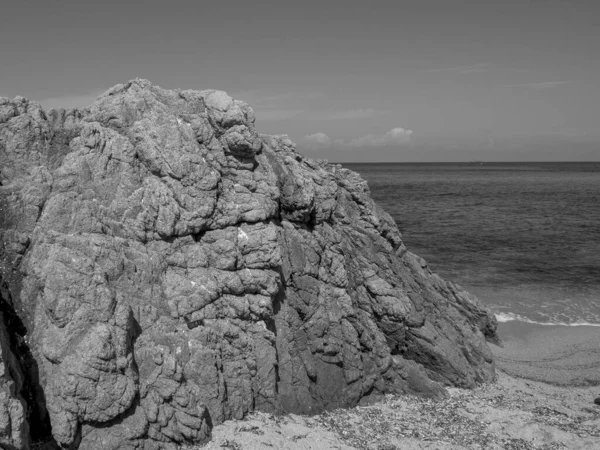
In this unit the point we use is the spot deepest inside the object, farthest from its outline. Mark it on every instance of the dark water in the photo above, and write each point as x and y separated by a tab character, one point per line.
523	237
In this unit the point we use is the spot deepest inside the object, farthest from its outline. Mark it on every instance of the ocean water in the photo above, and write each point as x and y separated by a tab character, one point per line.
523	237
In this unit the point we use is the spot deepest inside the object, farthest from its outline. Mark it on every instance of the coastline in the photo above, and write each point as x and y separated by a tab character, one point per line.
543	398
510	413
553	354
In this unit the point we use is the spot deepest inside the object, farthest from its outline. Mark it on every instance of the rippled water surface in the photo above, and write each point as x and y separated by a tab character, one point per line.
523	237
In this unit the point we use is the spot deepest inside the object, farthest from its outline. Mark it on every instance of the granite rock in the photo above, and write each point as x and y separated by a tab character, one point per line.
166	268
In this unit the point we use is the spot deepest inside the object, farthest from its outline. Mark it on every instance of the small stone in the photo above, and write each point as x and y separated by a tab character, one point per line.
597	401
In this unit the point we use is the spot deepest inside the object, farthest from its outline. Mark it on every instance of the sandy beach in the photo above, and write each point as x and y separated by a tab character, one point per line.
543	398
562	355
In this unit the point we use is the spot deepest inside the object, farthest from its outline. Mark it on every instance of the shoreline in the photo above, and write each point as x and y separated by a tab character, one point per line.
547	377
554	354
508	413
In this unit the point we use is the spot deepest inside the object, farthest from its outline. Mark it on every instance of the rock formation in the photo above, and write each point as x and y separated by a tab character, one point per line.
164	268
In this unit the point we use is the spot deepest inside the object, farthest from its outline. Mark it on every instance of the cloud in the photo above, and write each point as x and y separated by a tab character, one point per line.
540	85
392	137
473	68
317	141
71	101
396	136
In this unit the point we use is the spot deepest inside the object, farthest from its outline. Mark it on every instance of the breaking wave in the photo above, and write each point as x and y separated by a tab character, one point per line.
511	317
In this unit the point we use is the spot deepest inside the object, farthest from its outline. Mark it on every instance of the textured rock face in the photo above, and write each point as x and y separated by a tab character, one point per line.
171	269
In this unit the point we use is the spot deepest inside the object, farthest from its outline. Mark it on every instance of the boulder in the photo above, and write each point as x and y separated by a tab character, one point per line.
164	268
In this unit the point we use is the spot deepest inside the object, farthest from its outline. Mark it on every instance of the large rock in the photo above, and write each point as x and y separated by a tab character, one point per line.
170	269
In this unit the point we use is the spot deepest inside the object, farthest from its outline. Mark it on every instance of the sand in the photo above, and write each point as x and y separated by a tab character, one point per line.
567	356
543	398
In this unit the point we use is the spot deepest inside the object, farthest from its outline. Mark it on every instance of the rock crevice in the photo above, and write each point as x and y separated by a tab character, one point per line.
175	269
23	417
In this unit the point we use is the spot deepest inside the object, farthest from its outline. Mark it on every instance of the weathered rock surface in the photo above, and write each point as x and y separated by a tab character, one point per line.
165	268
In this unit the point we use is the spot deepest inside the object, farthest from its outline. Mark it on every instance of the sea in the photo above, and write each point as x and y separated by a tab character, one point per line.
523	237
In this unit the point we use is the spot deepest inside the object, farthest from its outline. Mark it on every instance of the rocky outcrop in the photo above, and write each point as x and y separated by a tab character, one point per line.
171	269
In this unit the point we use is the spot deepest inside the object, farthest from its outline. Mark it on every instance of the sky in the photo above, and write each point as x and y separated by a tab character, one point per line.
422	80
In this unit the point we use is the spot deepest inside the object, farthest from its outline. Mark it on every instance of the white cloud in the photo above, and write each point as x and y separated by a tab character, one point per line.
396	136
540	85
71	101
392	137
317	141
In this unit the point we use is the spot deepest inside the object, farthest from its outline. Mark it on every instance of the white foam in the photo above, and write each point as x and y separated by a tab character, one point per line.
511	317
